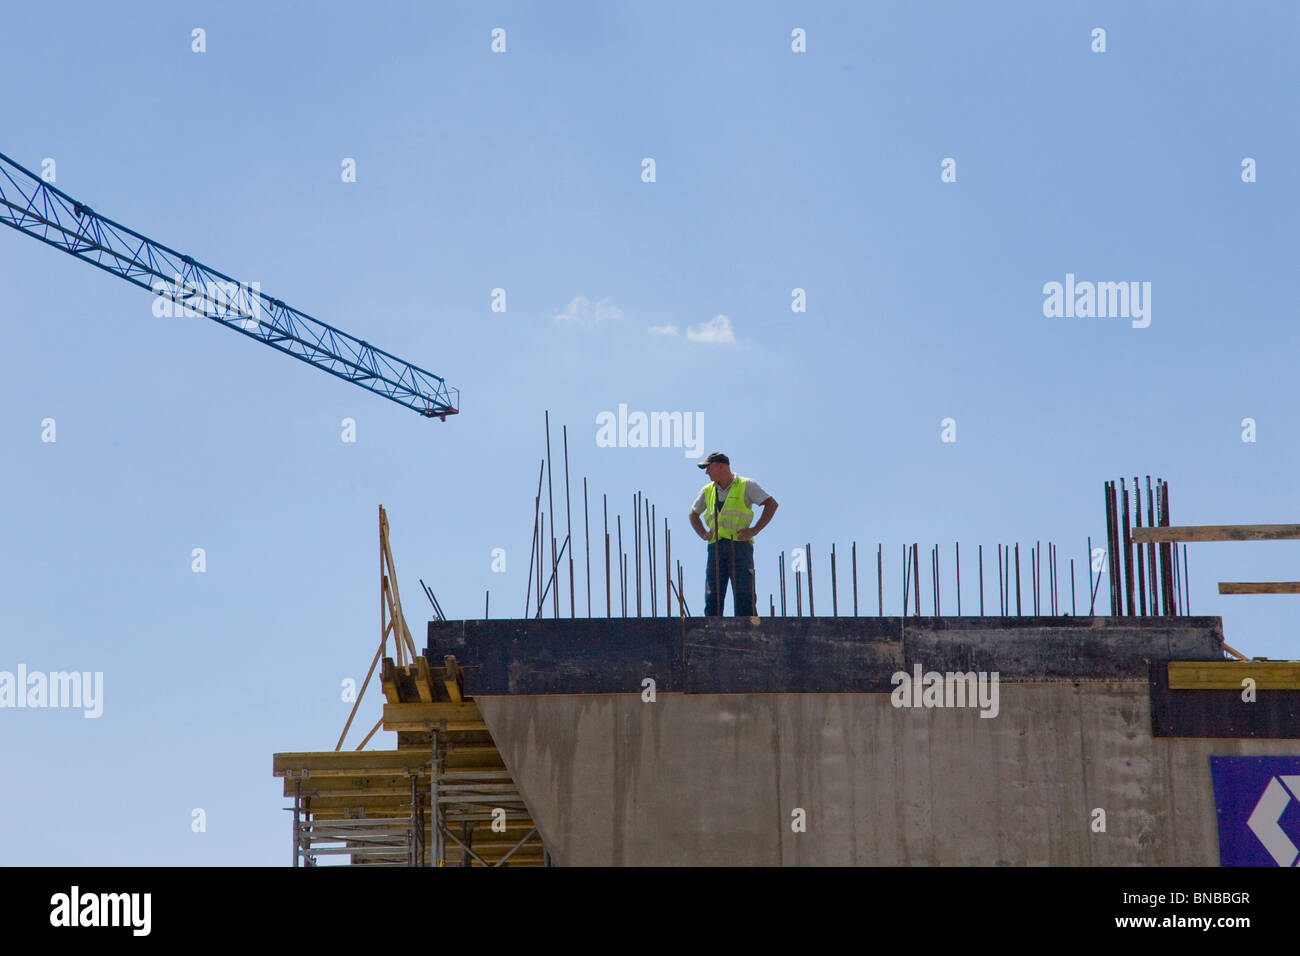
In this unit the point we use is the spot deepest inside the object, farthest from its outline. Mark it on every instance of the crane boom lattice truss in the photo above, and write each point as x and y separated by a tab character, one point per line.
33	206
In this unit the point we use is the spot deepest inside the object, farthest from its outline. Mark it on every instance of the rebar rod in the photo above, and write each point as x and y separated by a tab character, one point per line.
1033	583
1187	588
835	599
651	557
934	568
1110	537
808	559
622	566
550	500
916	578
1141	563
604	505
1152	571
907	577
586	533
568	519
668	570
1092	585
780	583
1129	593
1017	579
532	550
636	547
1002	609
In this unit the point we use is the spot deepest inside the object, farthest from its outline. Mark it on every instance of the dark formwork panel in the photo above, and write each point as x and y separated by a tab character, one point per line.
797	655
1069	649
803	654
1274	714
577	656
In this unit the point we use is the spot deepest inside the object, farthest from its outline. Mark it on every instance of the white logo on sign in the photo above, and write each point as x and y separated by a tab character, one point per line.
1264	819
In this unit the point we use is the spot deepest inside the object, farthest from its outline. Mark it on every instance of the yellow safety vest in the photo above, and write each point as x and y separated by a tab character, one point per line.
735	513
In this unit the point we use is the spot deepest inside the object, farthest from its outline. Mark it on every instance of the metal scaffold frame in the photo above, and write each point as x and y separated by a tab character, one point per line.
456	803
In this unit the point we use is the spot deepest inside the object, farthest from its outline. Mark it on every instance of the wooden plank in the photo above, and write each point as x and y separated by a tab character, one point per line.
330	814
389	676
420	716
423	680
1228	675
492	849
524	857
462	788
466	750
1218	532
351	786
404	721
465	710
395	805
375	805
451	678
471	738
1259	587
517	823
454	763
357	763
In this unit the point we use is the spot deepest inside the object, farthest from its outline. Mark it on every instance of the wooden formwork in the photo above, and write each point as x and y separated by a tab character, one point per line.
444	797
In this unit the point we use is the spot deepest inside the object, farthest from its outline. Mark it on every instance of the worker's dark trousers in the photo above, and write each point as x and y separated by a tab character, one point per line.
729	561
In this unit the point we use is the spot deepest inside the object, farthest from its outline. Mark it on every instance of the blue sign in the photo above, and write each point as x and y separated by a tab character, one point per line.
1257	800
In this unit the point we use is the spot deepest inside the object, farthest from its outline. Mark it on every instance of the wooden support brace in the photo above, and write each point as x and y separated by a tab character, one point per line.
1259	587
389	676
423	679
1218	532
463	716
451	679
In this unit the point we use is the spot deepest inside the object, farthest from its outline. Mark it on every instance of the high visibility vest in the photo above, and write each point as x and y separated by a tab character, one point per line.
735	513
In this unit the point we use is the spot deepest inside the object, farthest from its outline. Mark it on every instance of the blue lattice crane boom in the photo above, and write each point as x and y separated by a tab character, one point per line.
33	206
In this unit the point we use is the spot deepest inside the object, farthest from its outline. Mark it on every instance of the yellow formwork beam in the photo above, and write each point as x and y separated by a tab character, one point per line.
1228	675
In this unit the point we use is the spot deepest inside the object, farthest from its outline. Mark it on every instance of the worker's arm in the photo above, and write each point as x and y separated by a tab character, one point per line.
769	509
698	525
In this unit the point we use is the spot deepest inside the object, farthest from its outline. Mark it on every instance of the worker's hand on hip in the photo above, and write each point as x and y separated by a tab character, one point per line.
705	536
745	534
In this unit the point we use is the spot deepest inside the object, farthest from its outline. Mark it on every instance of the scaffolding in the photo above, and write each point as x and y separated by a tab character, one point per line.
448	802
444	797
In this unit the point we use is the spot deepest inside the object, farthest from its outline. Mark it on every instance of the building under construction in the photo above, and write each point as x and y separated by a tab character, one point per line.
1035	732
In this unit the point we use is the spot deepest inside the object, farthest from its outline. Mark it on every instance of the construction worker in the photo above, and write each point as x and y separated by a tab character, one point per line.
726	504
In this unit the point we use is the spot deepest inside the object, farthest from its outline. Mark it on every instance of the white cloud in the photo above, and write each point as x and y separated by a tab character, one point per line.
663	330
582	311
716	331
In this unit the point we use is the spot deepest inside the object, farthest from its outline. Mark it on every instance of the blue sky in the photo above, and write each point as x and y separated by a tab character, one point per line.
523	171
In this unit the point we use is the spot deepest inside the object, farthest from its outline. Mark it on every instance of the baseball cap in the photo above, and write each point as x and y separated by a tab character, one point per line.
714	459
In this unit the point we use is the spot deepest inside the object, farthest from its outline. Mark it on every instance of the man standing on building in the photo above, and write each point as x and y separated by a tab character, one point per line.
727	506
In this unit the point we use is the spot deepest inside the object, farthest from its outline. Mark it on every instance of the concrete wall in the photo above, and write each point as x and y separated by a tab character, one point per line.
713	778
